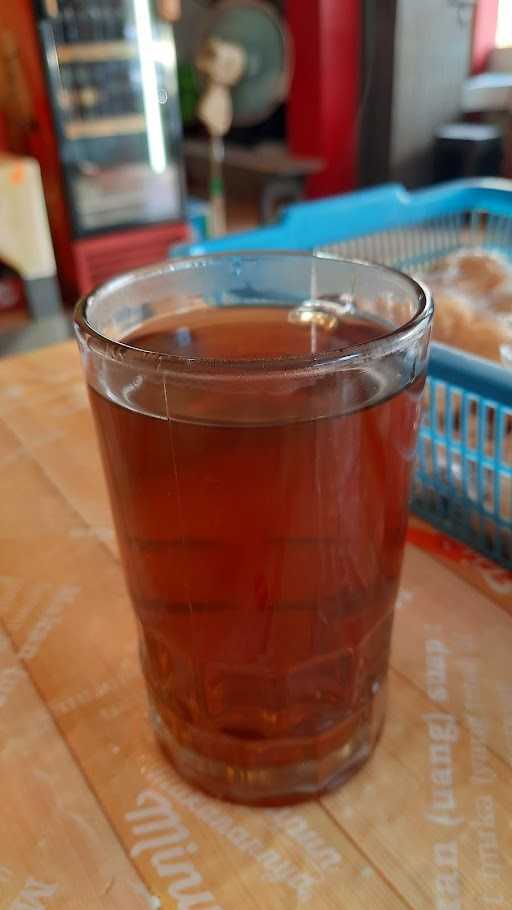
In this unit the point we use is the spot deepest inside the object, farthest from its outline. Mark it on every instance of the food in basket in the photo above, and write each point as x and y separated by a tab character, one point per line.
461	325
451	311
473	295
473	272
500	302
486	336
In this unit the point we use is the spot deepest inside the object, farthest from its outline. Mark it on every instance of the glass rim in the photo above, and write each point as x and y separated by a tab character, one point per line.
358	353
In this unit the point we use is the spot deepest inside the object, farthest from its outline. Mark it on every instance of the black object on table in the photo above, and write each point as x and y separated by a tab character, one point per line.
467	150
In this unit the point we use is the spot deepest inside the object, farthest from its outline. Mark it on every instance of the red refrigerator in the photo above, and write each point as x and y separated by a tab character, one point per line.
95	99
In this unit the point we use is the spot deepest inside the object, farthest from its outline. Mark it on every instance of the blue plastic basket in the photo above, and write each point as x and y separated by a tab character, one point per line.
463	481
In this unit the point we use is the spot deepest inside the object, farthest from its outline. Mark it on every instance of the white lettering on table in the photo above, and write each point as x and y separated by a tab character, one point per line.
9	679
5	874
505	697
443	733
60	599
298	829
40	726
34	896
127	673
63	598
113	712
488	848
436	653
165	837
32	599
276	868
482	774
447	880
476	721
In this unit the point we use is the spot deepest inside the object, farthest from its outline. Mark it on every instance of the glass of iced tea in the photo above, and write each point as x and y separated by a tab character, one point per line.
257	416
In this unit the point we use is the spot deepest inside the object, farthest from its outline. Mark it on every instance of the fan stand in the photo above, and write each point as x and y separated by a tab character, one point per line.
223	64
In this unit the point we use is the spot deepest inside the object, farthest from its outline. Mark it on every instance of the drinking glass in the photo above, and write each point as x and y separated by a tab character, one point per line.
257	416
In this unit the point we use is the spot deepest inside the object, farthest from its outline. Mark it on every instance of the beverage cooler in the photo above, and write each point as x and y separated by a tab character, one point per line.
106	128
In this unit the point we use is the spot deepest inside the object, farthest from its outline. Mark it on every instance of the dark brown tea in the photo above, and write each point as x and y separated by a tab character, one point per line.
262	547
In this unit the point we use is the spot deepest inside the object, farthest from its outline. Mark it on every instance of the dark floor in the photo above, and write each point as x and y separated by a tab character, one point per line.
33	334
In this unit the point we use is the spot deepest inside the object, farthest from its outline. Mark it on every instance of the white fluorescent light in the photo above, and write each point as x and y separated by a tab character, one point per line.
155	133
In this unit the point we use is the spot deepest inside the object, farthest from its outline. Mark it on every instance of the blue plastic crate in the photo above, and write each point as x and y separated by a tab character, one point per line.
463	481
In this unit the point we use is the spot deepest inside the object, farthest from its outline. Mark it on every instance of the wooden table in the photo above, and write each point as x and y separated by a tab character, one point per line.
88	805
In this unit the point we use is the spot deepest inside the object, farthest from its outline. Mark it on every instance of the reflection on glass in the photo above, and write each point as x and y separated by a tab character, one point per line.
155	135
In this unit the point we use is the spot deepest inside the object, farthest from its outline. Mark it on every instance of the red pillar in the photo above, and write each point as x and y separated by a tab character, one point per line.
324	98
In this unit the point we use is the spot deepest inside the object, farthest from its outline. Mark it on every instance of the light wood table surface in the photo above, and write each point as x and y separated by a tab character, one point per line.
89	807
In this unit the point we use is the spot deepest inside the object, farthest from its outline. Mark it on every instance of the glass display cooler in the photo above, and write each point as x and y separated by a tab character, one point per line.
106	129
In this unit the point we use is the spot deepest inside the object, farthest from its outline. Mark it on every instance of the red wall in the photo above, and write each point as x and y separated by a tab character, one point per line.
484	34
